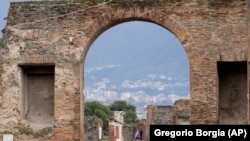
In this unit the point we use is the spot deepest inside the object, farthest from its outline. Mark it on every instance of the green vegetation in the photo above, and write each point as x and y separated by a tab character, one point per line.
2	42
43	132
25	129
96	108
105	137
104	112
130	110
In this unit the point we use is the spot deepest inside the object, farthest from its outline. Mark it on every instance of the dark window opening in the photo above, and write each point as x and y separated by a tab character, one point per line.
232	92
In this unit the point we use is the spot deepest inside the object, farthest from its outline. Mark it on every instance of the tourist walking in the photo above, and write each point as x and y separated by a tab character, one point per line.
137	135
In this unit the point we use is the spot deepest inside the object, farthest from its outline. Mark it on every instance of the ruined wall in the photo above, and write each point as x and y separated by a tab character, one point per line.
163	115
59	33
143	125
115	131
93	128
116	123
129	131
159	115
178	113
182	111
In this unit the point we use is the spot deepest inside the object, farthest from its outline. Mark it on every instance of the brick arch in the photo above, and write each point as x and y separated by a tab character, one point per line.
110	19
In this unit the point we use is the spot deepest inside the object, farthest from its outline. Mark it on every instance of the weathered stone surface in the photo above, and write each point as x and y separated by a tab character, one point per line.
93	128
60	33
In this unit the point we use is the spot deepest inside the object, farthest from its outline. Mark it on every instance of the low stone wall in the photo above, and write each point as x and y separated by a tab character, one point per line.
128	132
93	128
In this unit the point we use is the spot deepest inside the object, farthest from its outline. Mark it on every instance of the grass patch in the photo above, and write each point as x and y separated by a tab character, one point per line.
25	129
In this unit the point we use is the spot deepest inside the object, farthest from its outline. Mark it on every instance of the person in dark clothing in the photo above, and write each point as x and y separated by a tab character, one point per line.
141	134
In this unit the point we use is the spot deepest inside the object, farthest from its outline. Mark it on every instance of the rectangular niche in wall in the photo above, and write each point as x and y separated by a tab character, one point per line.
38	96
232	92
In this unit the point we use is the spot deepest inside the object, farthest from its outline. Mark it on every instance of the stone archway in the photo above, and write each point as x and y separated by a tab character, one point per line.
156	18
146	32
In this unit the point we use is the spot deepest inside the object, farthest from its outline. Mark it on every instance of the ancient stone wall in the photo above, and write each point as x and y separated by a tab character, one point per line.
129	131
169	114
159	115
59	34
181	111
163	115
93	128
115	131
143	125
116	126
176	114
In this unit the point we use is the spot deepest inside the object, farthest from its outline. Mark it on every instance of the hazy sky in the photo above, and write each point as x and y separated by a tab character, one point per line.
128	39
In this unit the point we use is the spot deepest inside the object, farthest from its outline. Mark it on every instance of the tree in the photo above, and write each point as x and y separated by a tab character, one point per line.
130	116
96	108
129	109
